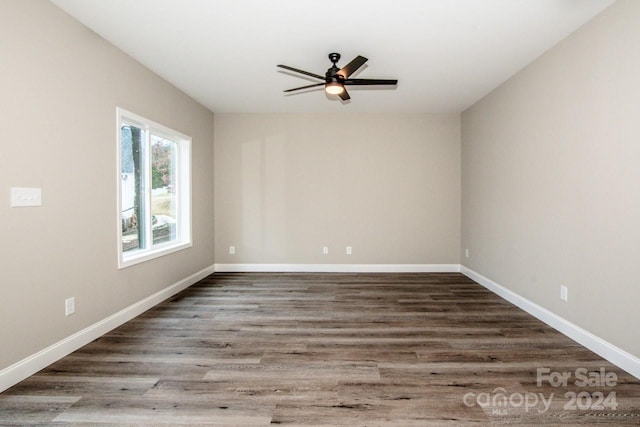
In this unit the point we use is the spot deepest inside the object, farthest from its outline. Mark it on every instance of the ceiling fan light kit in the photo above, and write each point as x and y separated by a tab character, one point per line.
335	79
334	88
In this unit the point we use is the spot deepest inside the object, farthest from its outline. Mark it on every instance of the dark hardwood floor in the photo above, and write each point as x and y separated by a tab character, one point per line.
328	349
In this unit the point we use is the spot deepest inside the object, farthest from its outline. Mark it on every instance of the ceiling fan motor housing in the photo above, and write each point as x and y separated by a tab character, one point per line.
332	75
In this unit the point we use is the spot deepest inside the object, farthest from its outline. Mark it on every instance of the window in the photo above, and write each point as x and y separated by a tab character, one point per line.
154	194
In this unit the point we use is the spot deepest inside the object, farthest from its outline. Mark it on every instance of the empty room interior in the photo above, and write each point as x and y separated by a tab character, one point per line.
211	218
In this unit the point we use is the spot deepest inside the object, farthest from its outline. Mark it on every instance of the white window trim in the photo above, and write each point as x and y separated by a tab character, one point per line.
183	184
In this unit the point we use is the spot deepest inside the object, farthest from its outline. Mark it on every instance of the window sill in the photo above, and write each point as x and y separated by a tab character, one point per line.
147	255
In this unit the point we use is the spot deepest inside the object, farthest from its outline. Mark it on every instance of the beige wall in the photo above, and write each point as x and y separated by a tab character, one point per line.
386	184
61	84
551	174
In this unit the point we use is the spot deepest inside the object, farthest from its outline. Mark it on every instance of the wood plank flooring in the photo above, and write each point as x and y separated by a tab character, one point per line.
251	349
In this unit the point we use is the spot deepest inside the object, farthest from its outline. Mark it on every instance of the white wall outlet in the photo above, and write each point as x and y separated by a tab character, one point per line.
349	250
22	197
466	252
564	293
69	306
232	250
325	250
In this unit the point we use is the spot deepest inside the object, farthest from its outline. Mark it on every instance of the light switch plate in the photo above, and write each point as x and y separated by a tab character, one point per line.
21	197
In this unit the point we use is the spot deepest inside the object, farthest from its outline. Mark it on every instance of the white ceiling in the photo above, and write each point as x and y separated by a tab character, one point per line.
446	54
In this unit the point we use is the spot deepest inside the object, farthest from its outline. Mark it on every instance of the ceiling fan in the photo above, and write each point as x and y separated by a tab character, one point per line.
335	79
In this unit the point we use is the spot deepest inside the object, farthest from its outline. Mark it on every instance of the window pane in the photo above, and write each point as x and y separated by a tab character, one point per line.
163	189
132	188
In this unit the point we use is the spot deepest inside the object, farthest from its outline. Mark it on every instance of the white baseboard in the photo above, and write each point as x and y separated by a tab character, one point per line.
605	349
40	360
337	268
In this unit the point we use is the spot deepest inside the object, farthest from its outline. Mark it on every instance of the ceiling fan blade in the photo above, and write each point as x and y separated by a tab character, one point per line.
306	73
305	87
352	66
344	95
362	82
